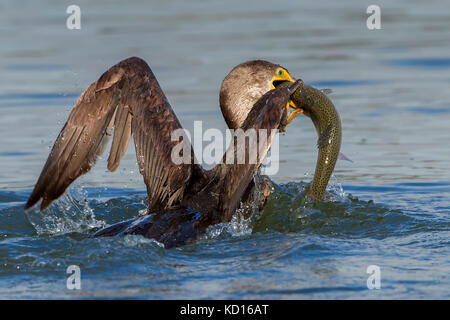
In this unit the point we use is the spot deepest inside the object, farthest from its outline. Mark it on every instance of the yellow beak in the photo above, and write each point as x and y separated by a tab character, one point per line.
295	110
285	76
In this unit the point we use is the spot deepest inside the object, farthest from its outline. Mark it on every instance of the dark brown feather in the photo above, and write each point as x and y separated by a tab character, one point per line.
215	195
128	98
270	113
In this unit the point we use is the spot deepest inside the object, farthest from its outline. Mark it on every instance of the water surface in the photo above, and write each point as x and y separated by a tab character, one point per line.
390	206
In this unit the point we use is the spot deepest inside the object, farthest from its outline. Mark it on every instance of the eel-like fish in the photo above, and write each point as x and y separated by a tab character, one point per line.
316	105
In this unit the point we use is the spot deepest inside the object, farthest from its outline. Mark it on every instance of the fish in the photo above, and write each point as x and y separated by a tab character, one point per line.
316	105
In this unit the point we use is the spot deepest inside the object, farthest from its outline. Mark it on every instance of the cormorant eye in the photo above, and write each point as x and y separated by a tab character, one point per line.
280	72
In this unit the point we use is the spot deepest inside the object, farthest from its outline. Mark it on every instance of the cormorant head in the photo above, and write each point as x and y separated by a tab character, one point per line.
245	84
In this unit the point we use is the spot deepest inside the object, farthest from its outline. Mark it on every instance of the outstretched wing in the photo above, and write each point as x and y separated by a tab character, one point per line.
128	99
267	115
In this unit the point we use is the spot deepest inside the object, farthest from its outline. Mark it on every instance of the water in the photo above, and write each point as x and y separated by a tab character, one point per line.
391	87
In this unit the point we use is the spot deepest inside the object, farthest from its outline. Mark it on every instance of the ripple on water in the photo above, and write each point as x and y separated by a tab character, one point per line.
426	63
293	249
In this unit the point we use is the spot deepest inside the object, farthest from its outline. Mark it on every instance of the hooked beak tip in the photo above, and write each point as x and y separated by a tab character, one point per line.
295	85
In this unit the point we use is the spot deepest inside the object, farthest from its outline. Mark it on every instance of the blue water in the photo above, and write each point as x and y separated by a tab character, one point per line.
294	250
438	63
389	206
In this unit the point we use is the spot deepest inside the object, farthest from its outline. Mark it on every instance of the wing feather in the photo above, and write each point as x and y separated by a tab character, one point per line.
271	114
122	134
129	99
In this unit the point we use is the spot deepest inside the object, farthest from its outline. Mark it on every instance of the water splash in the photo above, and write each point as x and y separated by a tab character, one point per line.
137	241
238	226
242	226
334	191
340	215
293	240
70	213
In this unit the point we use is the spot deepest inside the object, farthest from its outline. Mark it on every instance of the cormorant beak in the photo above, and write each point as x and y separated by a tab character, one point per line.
280	78
295	85
293	109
